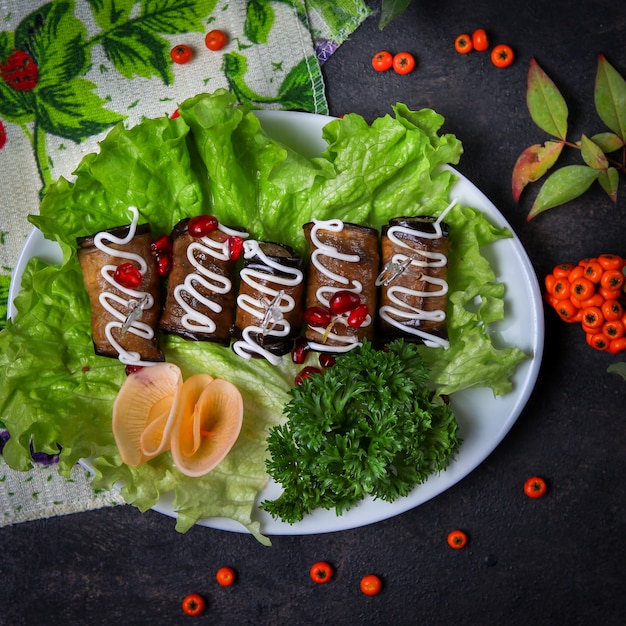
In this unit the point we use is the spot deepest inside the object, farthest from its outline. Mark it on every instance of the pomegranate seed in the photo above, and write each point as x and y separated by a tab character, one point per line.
163	245
131	369
358	315
235	247
327	360
317	316
306	373
202	225
164	264
300	351
344	301
127	275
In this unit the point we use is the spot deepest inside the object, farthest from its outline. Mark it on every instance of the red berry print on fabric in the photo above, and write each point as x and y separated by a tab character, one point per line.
20	71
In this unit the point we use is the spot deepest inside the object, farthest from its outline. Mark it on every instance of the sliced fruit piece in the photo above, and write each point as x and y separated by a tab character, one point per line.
208	422
142	412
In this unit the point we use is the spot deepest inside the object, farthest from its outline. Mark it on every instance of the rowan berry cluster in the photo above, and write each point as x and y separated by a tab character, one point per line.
592	293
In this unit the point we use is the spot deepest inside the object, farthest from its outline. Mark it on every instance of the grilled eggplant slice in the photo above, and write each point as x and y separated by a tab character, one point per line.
414	288
343	256
200	299
270	301
124	316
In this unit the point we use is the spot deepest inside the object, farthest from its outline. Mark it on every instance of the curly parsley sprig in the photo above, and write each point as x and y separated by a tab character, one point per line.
370	425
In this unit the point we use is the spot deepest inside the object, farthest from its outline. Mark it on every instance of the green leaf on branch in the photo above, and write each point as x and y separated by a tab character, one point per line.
390	9
592	154
609	180
608	142
610	97
545	103
562	186
533	163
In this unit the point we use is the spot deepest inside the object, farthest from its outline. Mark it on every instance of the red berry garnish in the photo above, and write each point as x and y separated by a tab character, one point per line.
131	369
202	225
300	351
235	247
327	360
20	71
163	245
127	275
175	114
162	250
306	373
164	264
317	316
343	301
358	315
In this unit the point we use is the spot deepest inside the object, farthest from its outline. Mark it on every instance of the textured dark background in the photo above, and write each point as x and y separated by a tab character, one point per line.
558	560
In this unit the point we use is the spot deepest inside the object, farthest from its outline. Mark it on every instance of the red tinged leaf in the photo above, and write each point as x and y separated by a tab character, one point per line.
545	103
533	163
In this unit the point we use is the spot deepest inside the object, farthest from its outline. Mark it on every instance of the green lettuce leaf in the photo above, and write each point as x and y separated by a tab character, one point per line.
216	158
475	301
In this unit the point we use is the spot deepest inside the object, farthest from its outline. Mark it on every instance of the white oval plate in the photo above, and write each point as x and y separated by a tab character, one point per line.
483	420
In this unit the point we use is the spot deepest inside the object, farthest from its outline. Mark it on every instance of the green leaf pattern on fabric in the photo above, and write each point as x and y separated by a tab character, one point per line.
87	52
105	62
259	21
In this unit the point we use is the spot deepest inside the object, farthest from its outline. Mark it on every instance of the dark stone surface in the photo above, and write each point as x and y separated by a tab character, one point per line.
558	560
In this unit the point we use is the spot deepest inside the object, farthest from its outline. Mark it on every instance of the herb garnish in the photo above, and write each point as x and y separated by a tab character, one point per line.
369	425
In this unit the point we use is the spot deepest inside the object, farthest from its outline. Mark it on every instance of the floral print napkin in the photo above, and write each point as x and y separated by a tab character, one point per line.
72	69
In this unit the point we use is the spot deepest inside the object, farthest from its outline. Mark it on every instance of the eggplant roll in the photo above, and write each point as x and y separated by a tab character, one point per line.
124	311
200	299
270	301
343	256
414	288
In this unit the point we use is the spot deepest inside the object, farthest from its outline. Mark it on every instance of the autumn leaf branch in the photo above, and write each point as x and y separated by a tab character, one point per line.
549	111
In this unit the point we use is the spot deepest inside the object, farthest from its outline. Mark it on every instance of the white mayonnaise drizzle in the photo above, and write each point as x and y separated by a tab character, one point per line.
269	308
420	259
325	292
135	300
193	320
